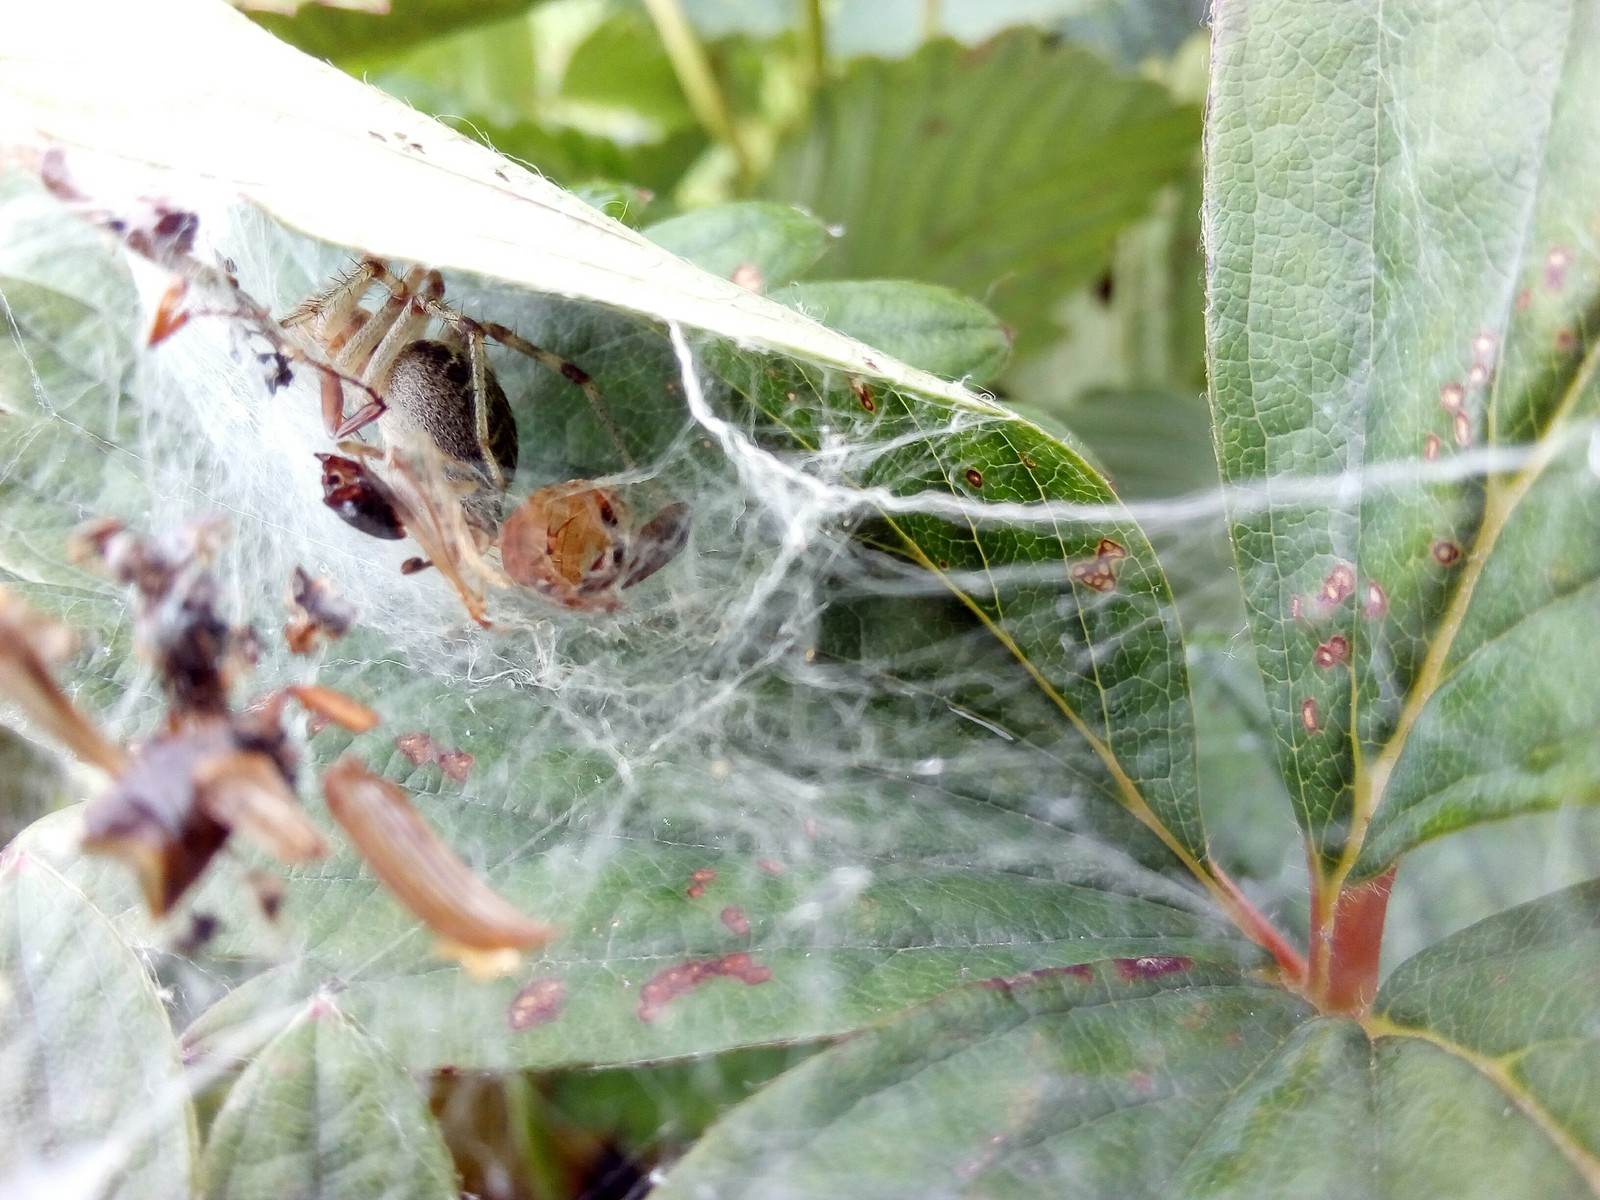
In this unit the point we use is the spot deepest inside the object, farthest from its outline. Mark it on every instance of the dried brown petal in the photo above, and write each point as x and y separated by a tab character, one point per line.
424	874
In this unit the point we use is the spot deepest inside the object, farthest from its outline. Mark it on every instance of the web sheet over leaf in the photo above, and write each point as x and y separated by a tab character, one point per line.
911	708
1402	245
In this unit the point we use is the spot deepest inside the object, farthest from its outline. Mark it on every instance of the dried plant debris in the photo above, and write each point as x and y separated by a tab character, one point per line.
213	771
315	607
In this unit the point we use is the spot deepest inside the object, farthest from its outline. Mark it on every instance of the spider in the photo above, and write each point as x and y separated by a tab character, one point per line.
576	543
442	391
451	448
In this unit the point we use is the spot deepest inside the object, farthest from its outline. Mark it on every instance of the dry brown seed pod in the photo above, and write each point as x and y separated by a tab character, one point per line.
424	874
30	643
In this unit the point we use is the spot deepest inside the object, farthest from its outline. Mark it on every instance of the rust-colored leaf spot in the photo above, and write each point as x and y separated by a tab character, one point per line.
1332	652
1524	299
1461	426
697	883
1445	553
1151	967
1309	717
735	920
1027	461
537	1004
418	748
1556	263
1485	346
771	866
1376	602
1431	445
864	394
1100	572
1142	1084
1006	983
1338	586
1451	397
457	764
1566	341
748	276
975	477
669	983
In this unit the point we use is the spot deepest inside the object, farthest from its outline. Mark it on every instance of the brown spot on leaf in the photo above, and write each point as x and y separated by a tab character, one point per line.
1484	348
1100	573
457	764
417	747
748	276
697	883
420	749
1556	263
771	866
537	1004
1337	587
1332	652
1461	426
1451	397
1431	445
1309	717
735	920
1006	983
669	983
864	394
975	477
1478	375
1524	299
1566	341
1445	553
1376	602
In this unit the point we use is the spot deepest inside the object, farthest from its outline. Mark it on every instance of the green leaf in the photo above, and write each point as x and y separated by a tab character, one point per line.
930	327
1004	171
341	34
1401	276
92	1092
779	241
622	64
324	1111
1160	1078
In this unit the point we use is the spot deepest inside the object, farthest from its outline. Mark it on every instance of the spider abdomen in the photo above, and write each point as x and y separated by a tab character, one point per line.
429	390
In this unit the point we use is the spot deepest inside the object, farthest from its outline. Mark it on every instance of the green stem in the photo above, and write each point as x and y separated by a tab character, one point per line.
692	65
814	39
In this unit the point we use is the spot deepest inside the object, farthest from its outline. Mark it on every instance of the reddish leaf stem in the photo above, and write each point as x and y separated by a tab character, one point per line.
1345	964
1260	930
